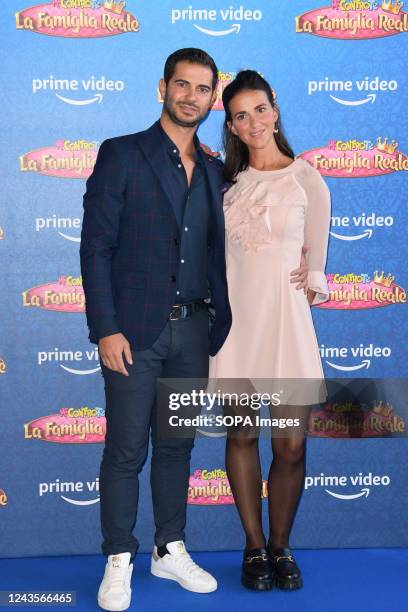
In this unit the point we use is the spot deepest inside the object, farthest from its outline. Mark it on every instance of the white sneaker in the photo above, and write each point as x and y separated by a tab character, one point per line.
115	592
179	566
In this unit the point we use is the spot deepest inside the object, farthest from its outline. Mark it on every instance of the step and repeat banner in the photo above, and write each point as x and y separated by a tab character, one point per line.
75	72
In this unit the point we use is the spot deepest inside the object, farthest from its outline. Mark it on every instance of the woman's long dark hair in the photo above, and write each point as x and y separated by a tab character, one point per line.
236	152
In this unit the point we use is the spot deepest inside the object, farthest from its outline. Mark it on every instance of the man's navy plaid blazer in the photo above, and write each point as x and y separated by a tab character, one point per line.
130	242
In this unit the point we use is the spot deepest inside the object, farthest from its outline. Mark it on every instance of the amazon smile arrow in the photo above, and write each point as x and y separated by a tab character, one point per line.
351	496
96	98
364	364
76	502
235	28
367	234
73	238
80	372
370	98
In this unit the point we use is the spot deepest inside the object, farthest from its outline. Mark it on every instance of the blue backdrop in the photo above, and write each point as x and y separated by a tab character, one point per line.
76	72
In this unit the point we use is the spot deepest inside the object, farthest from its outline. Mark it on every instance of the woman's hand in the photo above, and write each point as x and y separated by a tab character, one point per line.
299	275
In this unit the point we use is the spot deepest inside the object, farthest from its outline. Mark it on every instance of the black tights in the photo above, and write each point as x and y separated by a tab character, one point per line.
285	484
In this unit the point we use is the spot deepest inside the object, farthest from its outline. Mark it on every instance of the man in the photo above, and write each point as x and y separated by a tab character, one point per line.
152	250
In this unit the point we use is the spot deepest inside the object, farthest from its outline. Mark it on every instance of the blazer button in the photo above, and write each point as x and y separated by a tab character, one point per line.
173	278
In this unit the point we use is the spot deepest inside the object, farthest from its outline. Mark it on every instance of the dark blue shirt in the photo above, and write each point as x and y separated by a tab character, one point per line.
192	201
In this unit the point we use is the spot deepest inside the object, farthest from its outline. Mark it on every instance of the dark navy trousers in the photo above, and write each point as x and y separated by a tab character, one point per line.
181	351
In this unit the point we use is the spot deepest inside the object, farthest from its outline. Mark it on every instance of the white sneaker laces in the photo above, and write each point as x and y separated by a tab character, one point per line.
185	562
117	577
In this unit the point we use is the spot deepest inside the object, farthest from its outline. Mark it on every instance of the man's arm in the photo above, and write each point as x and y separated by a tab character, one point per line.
103	204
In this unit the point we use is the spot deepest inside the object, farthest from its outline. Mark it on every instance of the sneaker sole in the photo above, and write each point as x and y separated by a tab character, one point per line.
185	585
111	607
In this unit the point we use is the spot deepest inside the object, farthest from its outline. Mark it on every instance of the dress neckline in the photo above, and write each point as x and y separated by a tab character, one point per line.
279	171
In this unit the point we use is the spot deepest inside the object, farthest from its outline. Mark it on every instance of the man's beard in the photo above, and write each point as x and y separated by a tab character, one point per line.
169	108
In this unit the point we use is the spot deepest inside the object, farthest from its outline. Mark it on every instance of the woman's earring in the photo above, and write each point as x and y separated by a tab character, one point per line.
275	130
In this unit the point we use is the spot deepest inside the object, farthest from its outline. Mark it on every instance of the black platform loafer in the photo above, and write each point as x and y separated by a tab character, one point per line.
257	570
287	574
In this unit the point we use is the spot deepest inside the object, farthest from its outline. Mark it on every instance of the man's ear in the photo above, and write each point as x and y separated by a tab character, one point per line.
162	88
214	97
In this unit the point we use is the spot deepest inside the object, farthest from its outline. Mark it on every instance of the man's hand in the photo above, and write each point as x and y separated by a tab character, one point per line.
310	296
300	274
111	349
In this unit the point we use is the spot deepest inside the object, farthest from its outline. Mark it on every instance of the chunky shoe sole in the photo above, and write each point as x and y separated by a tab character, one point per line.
183	583
288	585
257	585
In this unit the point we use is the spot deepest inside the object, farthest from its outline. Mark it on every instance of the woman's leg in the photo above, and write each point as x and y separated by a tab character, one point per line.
244	475
285	485
286	476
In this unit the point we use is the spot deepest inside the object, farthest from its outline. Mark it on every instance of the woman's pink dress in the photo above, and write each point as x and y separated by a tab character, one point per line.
269	216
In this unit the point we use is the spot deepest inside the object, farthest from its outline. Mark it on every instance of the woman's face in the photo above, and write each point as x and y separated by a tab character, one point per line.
252	118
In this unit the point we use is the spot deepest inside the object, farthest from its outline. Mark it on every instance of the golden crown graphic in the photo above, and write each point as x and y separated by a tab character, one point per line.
383	408
383	145
387	5
380	279
115	7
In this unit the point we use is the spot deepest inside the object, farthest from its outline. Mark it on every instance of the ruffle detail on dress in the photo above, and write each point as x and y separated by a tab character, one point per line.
247	209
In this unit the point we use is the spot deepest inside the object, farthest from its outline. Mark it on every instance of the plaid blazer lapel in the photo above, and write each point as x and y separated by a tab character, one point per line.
150	144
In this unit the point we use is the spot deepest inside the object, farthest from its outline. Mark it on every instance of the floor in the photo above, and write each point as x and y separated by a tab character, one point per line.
334	580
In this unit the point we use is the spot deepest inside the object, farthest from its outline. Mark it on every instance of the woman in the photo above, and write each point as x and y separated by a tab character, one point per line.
276	205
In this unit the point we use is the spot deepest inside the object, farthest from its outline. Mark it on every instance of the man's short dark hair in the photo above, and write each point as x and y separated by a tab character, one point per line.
194	56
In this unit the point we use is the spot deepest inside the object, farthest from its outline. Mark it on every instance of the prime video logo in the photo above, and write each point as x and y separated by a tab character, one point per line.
216	19
362	225
352	93
363	354
93	89
59	223
61	357
364	481
65	489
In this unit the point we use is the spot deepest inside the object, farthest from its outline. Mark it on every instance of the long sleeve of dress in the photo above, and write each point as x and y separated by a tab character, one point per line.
316	236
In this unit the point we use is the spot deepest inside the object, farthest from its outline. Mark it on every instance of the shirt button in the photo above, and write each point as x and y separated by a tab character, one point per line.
177	292
178	165
186	229
182	260
173	278
174	150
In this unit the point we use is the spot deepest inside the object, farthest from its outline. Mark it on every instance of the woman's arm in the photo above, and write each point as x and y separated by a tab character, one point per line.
317	224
